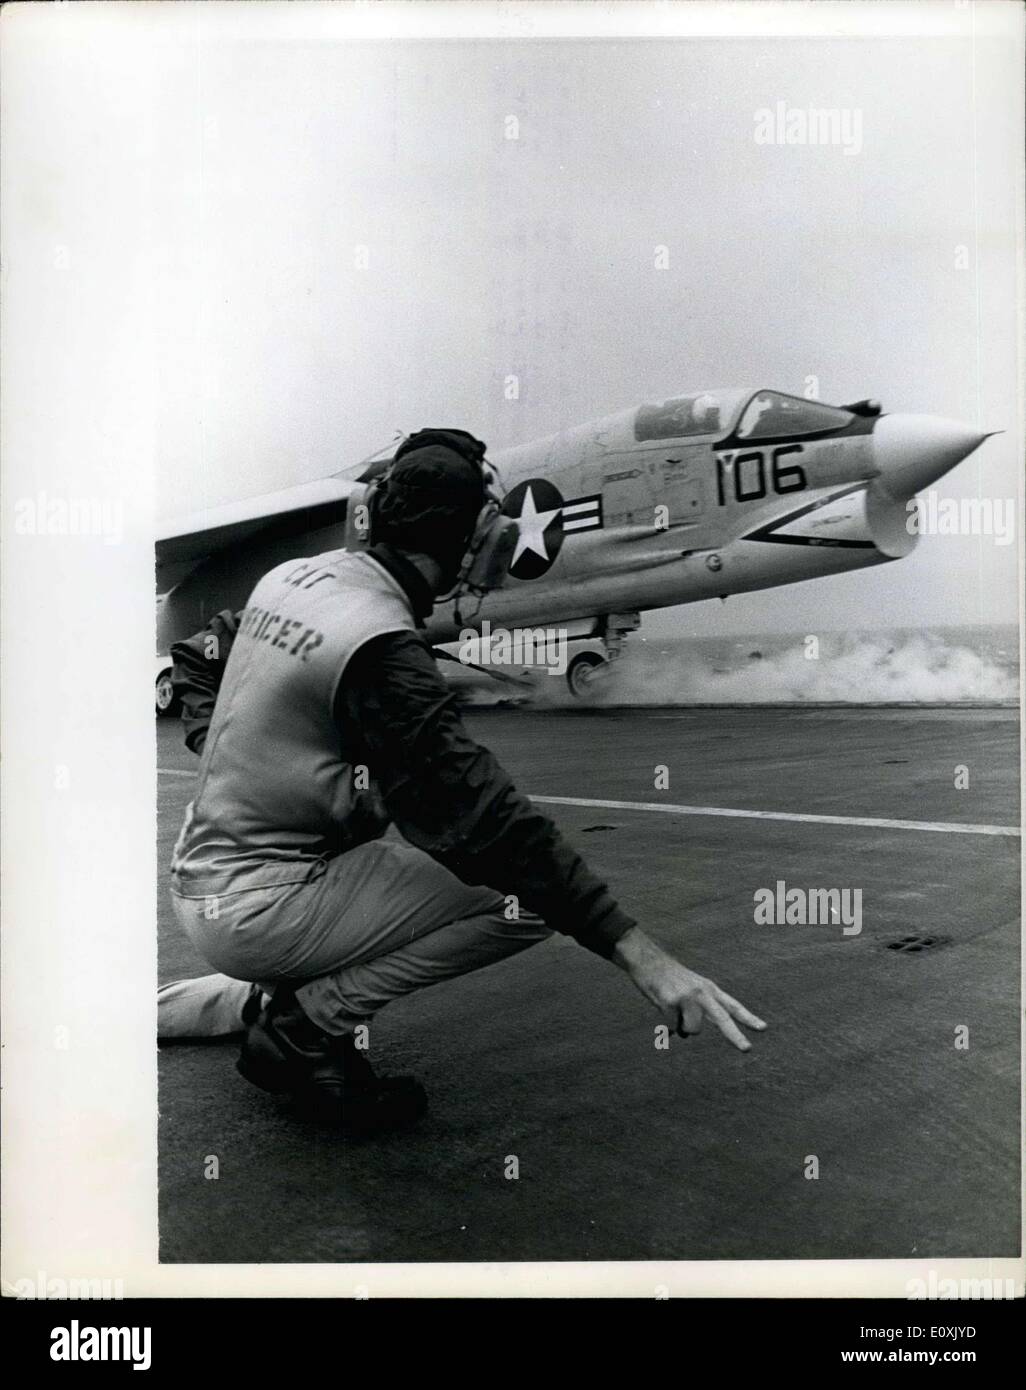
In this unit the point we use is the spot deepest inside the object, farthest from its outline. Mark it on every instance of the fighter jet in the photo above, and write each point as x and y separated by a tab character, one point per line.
701	496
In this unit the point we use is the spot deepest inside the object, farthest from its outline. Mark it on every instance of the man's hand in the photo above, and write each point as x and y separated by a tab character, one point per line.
683	998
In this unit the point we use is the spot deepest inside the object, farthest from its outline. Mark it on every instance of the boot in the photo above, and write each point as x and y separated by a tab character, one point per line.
331	1081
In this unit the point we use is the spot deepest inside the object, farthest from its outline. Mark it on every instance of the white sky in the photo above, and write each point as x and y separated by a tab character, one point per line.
265	163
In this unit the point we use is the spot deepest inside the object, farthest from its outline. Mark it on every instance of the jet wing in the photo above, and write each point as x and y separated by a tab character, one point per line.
184	541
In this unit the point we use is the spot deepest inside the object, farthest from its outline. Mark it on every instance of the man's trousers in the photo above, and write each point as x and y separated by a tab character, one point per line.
382	920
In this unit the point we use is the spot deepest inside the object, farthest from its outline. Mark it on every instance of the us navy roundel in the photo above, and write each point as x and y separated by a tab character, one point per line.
536	505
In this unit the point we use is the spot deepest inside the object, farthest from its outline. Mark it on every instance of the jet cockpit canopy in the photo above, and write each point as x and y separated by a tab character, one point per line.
746	414
771	415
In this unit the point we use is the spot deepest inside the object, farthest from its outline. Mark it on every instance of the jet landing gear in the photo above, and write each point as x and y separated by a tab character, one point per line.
582	671
589	667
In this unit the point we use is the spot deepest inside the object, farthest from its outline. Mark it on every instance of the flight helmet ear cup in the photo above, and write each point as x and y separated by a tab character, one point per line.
488	555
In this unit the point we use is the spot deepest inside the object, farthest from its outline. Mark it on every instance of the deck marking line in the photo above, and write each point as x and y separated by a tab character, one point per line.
871	822
943	827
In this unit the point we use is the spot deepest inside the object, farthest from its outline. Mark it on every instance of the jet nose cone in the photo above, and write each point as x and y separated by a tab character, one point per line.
913	451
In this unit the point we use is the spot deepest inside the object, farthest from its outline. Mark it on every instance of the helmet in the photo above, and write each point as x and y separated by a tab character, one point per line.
435	498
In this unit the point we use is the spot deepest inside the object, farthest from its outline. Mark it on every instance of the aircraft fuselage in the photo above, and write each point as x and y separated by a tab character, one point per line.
693	498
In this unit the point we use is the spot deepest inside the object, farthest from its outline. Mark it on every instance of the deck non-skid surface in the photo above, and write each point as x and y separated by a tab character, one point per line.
626	1151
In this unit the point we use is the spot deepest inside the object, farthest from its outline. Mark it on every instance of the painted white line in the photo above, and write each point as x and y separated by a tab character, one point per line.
871	822
943	827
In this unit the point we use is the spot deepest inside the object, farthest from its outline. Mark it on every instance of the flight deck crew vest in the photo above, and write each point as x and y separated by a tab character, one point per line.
276	796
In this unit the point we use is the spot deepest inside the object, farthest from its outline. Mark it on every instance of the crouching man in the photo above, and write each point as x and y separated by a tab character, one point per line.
332	721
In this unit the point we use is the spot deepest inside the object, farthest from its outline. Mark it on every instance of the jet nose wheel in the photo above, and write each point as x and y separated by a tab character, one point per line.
166	700
582	671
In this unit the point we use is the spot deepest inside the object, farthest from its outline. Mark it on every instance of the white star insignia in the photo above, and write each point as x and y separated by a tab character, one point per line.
532	524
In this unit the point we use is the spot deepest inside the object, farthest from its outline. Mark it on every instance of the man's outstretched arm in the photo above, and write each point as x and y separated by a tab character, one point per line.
451	798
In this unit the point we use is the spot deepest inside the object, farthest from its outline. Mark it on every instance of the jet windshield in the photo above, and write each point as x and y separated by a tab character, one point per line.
770	414
708	412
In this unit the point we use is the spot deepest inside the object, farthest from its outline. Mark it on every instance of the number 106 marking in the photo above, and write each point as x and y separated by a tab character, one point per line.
749	474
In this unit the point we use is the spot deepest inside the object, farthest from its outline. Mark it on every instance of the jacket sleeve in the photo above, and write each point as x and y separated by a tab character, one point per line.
197	673
450	797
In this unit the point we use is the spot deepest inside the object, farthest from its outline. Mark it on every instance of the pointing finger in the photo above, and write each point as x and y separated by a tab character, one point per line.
739	1011
727	1026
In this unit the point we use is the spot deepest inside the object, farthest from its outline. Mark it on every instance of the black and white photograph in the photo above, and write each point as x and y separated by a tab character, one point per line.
513	585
